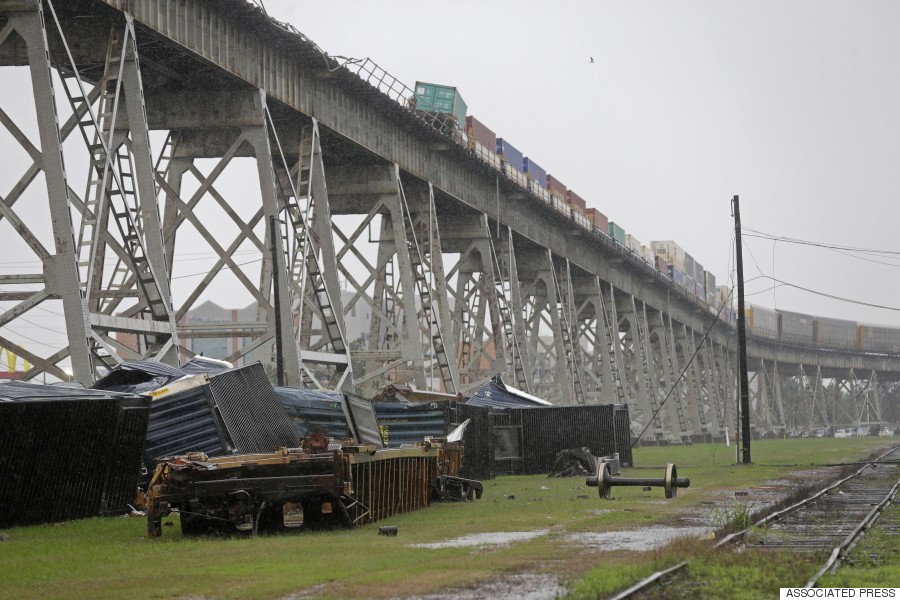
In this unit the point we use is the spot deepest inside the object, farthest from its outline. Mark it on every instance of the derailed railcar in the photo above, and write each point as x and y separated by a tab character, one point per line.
304	488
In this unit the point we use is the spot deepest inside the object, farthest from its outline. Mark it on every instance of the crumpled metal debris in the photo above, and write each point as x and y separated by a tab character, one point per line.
574	462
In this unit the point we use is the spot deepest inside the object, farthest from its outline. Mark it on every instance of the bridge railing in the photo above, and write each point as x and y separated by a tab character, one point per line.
369	71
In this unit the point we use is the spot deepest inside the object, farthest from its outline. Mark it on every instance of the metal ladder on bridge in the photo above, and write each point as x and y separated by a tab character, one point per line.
573	356
303	257
612	340
673	376
107	182
509	332
417	263
645	367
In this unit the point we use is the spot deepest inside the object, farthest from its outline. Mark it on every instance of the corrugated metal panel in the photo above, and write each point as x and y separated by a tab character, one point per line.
478	440
250	411
762	322
622	423
796	327
68	453
402	423
184	422
879	338
314	410
546	432
837	333
525	441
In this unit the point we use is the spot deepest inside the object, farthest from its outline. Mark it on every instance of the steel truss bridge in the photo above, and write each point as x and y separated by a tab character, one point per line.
465	272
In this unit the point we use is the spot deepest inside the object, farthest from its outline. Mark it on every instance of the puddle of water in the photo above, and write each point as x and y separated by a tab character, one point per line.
640	540
496	538
525	586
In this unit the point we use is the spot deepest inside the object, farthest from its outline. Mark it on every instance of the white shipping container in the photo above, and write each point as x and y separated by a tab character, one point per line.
647	254
633	244
671	252
722	292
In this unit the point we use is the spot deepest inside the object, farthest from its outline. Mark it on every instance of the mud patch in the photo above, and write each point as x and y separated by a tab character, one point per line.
529	586
497	538
640	540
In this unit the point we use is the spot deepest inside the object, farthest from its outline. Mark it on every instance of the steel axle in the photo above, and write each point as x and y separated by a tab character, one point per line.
605	481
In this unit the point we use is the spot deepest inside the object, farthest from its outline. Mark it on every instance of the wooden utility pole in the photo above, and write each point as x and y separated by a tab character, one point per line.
742	334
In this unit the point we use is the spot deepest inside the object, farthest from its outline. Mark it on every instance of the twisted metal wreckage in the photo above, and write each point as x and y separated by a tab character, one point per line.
311	487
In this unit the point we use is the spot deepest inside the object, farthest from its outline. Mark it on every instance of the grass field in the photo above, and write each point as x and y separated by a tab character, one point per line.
112	557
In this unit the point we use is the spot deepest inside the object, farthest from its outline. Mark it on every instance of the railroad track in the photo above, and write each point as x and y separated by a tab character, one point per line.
833	519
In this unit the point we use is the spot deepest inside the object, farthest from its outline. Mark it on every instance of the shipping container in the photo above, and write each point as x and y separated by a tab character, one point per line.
633	244
647	254
710	284
762	322
535	171
701	286
700	274
796	327
68	453
598	219
477	131
836	333
699	291
661	265
723	294
510	154
676	275
616	232
671	252
689	265
554	185
573	199
689	284
432	97
879	338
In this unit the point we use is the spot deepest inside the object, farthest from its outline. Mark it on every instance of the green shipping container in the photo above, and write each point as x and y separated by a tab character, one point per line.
441	98
616	233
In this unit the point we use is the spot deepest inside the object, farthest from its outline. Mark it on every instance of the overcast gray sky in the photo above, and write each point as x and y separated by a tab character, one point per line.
791	105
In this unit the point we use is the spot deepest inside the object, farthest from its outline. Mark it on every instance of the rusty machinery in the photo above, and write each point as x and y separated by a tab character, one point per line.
309	487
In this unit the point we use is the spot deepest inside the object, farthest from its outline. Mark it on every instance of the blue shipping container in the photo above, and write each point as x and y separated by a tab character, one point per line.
509	152
676	276
535	171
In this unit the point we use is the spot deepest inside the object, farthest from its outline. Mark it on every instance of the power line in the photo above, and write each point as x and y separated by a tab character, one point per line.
799	241
827	295
684	370
833	249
